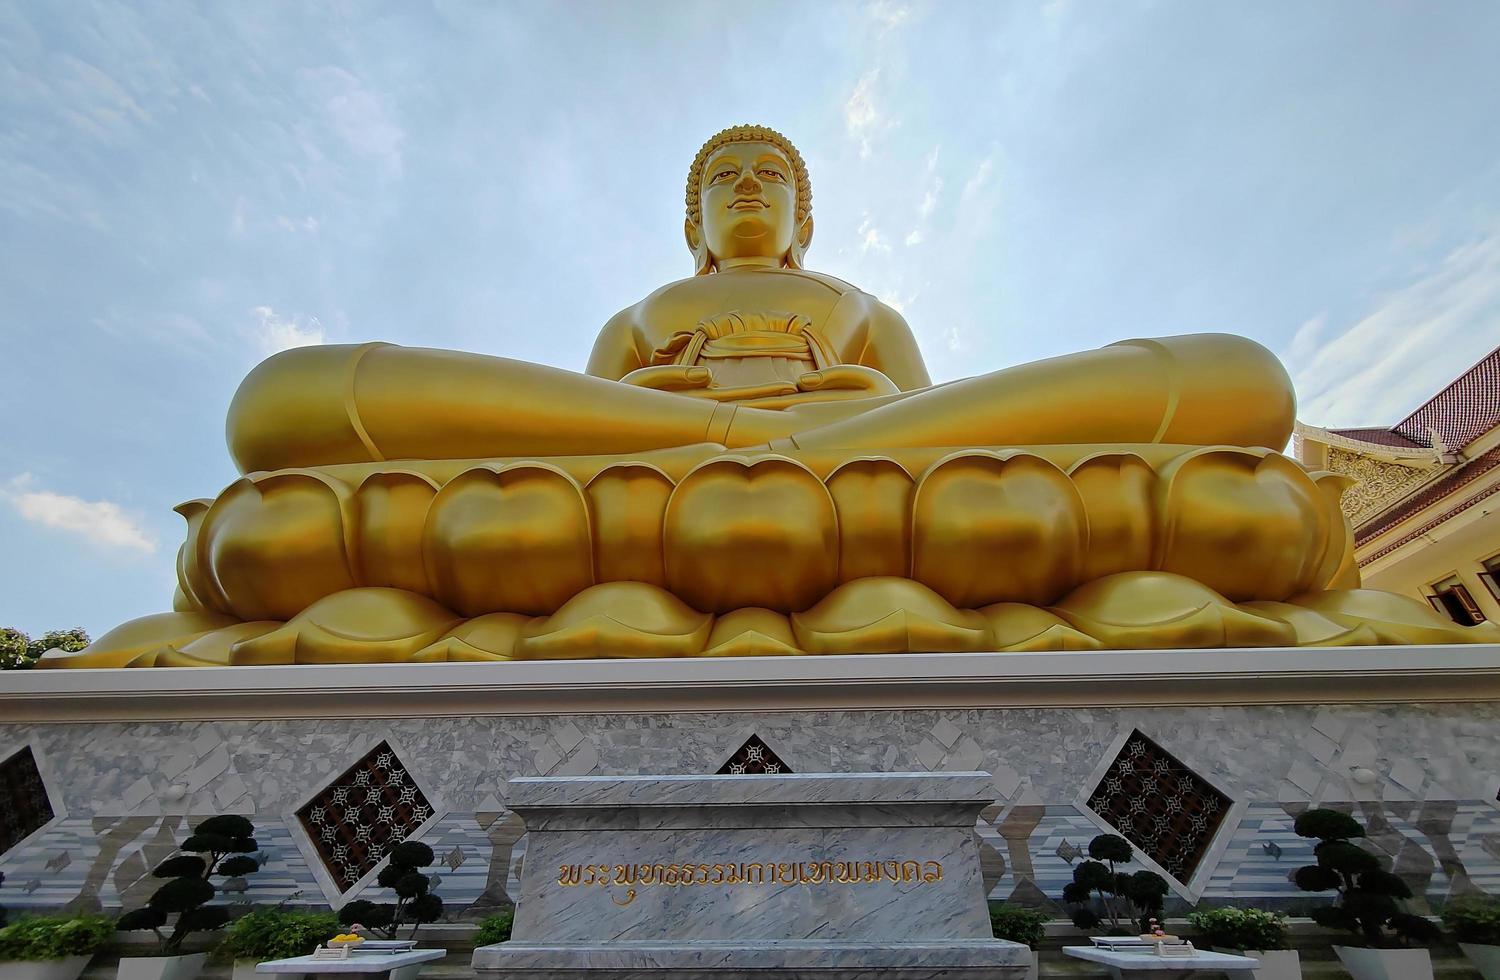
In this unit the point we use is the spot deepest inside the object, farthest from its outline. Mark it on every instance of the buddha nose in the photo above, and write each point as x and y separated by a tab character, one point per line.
747	184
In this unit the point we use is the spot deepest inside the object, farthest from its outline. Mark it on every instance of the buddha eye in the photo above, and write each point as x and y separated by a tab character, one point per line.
772	174
723	173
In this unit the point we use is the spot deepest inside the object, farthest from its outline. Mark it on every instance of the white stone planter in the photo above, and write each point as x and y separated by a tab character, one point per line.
162	967
67	968
1275	964
1385	964
1036	966
245	969
1486	959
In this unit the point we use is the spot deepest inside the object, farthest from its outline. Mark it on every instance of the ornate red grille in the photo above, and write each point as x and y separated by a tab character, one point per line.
362	814
1160	805
753	758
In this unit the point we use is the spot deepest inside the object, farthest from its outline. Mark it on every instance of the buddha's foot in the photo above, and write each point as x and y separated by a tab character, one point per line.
1128	610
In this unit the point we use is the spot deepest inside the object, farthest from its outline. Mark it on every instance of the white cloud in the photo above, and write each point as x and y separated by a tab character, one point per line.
100	522
308	224
1306	340
977	182
861	117
238	218
357	114
1377	370
276	333
914	237
934	185
930	199
870	237
889	15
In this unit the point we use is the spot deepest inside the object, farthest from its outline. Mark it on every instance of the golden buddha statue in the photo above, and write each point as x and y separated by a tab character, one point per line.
756	462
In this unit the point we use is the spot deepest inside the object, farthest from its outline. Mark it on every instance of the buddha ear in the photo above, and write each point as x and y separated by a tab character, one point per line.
702	261
800	241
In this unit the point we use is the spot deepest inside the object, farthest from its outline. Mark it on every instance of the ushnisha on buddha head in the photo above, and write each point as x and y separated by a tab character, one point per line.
749	201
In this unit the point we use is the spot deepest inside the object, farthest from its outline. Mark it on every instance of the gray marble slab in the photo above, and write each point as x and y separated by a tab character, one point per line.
834	800
686	790
955	960
777	874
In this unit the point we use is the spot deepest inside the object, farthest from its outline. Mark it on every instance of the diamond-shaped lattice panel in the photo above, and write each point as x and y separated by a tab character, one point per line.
754	758
1160	805
24	807
363	814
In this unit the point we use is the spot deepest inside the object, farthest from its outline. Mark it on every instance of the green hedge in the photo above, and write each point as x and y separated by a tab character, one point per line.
55	938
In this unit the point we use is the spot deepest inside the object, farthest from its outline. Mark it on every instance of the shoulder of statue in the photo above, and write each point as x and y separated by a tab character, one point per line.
660	293
832	282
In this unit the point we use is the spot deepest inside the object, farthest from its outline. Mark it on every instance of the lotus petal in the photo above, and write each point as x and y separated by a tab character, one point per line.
511	539
357	626
198	589
278	542
1019	627
997	527
751	532
872	496
1159	610
630	503
751	633
392	512
1118	491
126	642
1394	618
211	649
888	615
1250	524
1339	569
617	619
1314	629
491	637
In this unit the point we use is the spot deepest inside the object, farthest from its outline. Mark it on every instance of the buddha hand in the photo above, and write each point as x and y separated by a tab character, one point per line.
855	379
683	378
698	382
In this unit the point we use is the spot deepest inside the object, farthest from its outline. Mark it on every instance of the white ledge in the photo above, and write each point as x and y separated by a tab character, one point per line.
1411	674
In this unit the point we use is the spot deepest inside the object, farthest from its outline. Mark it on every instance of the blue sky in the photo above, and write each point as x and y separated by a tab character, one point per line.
186	188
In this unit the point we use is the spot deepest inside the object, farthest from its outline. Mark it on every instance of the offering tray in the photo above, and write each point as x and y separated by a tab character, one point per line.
384	946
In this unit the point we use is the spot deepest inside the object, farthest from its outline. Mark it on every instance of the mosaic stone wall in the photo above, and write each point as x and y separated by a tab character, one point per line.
1425	779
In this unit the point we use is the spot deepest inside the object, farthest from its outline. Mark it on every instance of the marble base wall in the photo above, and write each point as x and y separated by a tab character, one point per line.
1424	778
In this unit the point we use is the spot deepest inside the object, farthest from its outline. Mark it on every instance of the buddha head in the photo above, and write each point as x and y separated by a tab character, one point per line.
748	198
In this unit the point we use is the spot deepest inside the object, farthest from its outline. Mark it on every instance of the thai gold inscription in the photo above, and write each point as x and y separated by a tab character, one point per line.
754	873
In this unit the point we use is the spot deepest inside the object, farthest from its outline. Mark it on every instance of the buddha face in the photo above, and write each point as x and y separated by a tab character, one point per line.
749	205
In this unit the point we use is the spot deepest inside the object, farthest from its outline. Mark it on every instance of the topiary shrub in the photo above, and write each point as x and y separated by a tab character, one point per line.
1369	897
1474	919
1232	928
1144	892
218	846
277	934
413	904
495	928
53	938
1018	924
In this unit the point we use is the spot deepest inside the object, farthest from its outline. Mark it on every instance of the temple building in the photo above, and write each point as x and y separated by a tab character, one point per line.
1426	509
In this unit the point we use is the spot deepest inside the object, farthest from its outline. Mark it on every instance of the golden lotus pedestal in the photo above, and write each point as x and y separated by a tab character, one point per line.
700	552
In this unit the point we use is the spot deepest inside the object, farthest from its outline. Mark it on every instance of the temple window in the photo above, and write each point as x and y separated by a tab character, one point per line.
1452	598
1491	575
